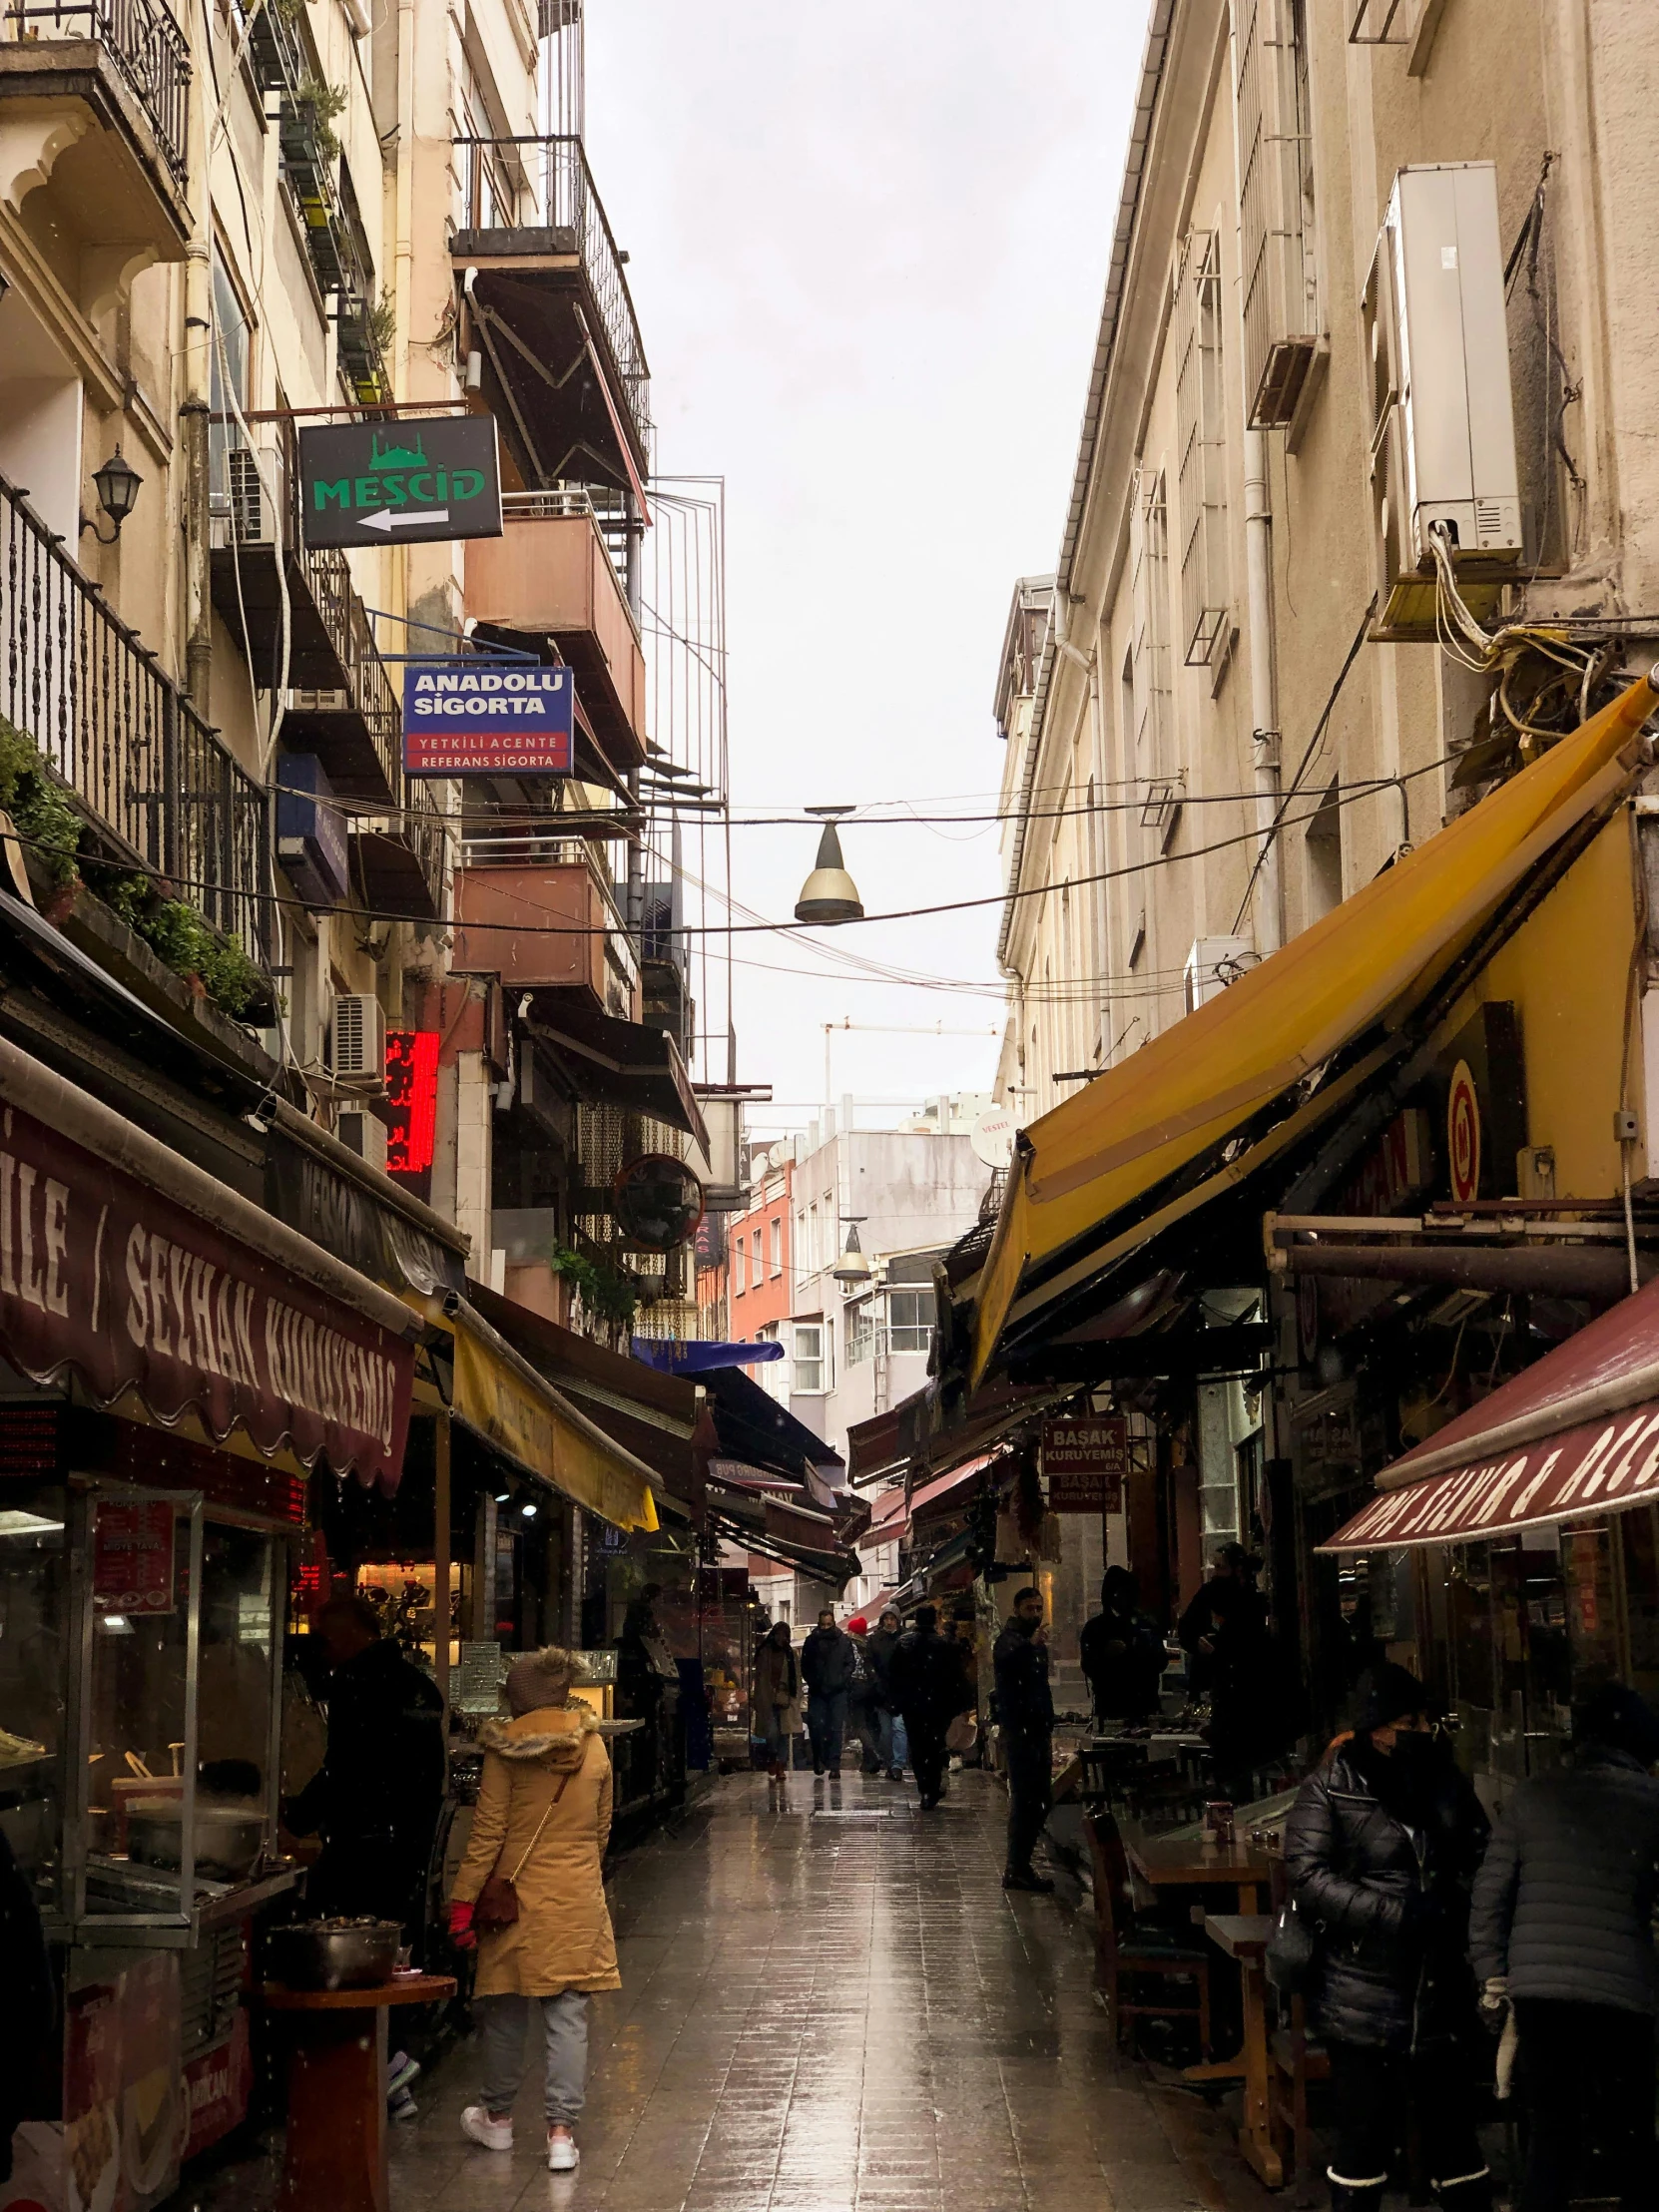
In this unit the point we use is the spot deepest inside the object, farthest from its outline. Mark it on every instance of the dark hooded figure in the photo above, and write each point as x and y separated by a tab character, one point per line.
1381	1847
1563	1928
1121	1652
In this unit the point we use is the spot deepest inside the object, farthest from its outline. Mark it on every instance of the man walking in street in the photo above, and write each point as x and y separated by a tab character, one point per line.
828	1666
879	1650
925	1676
1562	1928
1025	1715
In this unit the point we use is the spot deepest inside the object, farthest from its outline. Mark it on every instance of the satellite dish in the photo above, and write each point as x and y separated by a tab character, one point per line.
992	1137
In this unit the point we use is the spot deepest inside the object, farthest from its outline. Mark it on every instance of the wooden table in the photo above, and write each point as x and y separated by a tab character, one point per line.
1244	1936
1198	1863
335	2159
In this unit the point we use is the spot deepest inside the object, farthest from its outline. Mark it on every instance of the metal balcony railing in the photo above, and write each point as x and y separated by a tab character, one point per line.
143	41
121	735
546	184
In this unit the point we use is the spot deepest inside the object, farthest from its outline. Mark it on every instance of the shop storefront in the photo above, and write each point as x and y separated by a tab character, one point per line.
175	1366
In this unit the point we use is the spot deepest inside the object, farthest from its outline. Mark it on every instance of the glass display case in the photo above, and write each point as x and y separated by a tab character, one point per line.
140	1704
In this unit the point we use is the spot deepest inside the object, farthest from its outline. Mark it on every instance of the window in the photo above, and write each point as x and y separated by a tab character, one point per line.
909	1320
860	1330
776	1245
1275	211
1324	840
755	1246
815	1254
1201	419
811	1376
739	1255
771	1375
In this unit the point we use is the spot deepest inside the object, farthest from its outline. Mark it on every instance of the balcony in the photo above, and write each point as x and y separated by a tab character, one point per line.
550	575
96	100
341	703
540	913
565	369
401	857
159	790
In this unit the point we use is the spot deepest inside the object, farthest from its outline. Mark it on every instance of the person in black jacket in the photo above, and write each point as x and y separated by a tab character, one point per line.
1381	1847
29	2012
828	1666
1562	1927
1025	1715
377	1795
926	1677
1121	1652
879	1647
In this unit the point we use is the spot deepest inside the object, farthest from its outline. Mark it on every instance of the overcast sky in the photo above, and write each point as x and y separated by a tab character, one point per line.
867	245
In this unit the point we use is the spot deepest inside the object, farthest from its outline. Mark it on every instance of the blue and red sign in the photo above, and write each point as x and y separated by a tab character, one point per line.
478	717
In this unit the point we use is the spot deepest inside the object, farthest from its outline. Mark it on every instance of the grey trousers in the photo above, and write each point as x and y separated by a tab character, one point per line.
502	2022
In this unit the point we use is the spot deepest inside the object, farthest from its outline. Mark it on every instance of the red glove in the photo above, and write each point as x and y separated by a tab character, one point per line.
460	1926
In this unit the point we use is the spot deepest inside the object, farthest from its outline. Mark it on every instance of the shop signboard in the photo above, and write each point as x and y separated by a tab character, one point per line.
413	1098
131	1556
399	483
481	717
1085	1461
108	1278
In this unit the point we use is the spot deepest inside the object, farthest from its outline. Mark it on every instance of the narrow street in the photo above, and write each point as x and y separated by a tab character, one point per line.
836	2008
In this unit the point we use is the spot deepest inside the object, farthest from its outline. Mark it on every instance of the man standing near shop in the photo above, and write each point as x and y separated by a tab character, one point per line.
1025	1715
828	1666
377	1795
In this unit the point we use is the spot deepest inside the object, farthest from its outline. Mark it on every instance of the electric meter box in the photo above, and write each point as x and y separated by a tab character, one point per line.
1444	296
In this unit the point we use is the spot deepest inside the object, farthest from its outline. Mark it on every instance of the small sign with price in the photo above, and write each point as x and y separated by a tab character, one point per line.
1085	1461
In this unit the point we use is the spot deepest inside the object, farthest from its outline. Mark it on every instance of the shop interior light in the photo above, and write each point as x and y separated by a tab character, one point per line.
118	1624
502	1496
530	1511
14	1523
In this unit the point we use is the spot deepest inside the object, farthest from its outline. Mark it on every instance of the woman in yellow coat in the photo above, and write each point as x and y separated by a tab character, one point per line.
543	1819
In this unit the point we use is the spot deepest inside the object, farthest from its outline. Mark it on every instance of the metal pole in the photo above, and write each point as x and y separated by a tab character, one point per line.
441	1559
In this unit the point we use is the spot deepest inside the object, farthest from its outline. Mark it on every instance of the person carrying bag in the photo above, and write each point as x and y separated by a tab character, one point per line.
531	1894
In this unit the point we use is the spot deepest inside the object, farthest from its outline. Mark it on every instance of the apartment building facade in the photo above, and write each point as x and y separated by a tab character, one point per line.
1359	534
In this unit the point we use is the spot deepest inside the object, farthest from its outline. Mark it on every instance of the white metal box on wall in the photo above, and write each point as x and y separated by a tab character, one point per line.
1442	428
1213	963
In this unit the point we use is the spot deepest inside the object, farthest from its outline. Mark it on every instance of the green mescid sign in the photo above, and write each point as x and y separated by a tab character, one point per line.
388	483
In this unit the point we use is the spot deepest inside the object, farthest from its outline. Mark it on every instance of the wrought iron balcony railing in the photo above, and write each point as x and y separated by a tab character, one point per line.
144	42
545	184
120	734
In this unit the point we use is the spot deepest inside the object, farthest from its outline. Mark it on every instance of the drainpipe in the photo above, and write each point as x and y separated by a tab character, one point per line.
1263	692
196	406
1264	686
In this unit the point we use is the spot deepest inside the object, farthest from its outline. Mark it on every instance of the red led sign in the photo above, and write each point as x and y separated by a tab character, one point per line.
412	1095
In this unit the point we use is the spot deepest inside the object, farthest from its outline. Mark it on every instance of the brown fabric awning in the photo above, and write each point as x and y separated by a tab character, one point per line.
1578	1432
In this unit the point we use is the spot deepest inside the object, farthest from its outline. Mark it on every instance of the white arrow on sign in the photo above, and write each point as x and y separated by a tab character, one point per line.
388	519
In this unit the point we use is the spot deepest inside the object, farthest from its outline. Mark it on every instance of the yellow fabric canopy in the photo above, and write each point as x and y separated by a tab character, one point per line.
503	1397
1373	958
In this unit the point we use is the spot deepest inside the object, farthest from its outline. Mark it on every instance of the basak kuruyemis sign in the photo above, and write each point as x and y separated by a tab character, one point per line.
370	483
478	717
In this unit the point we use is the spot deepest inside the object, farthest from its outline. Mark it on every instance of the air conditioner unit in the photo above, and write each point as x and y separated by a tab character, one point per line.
248	484
366	1134
1443	413
1212	965
358	1040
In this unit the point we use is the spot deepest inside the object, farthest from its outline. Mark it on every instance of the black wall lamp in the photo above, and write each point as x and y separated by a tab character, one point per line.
118	483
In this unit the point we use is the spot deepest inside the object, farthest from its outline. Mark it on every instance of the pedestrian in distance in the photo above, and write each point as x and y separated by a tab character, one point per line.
531	1894
1562	1930
1025	1718
925	1675
879	1647
862	1716
776	1701
1382	1846
828	1665
1121	1652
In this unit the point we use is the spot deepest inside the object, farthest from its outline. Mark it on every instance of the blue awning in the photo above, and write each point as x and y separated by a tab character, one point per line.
692	1356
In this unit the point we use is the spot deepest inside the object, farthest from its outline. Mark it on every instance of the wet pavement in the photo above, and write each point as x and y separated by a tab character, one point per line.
834	2007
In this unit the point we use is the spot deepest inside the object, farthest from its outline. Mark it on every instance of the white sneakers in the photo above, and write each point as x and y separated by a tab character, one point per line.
496	2133
484	2127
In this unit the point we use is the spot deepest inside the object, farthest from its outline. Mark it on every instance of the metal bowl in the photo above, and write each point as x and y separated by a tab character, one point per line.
227	1840
335	1954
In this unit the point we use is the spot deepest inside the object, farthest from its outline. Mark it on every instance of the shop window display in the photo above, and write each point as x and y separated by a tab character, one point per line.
34	1638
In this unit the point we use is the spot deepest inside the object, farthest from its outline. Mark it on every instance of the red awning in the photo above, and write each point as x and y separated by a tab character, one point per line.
1576	1433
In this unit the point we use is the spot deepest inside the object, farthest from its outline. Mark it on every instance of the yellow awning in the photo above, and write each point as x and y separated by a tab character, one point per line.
1372	959
503	1397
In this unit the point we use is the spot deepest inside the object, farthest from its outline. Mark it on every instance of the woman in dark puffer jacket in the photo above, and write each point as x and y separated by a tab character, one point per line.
1381	1847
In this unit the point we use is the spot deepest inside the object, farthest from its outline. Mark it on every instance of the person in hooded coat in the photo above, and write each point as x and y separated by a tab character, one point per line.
1382	1846
543	1820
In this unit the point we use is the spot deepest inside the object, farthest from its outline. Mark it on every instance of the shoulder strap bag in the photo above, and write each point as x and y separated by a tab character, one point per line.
497	1905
